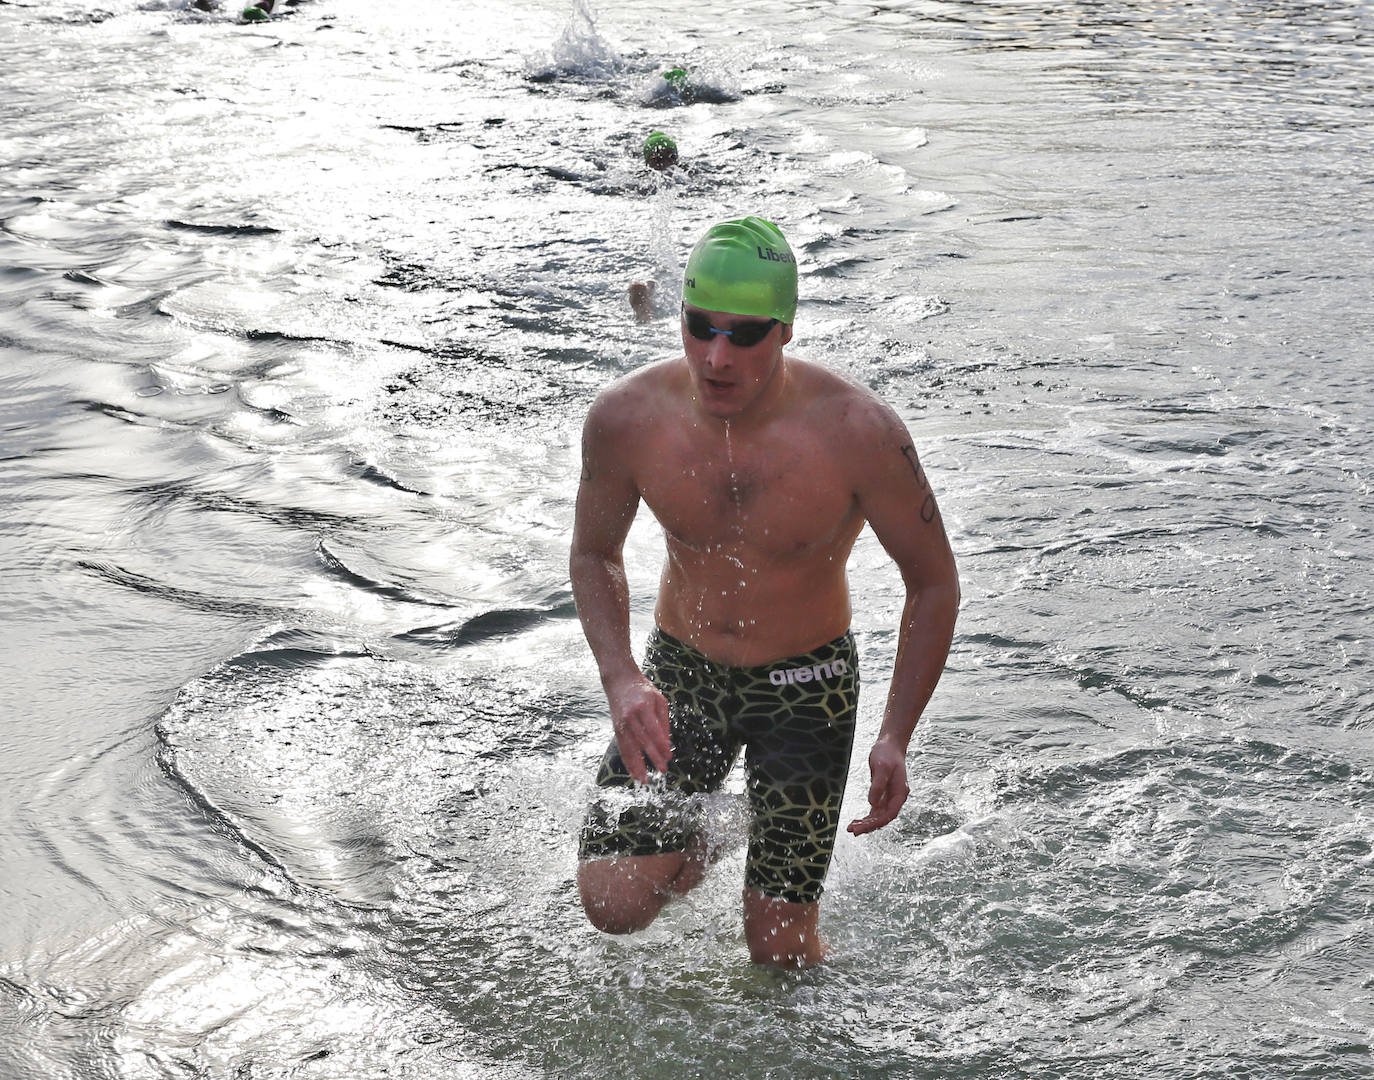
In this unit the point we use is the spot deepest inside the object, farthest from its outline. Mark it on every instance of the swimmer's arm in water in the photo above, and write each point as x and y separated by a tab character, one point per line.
607	499
641	295
896	497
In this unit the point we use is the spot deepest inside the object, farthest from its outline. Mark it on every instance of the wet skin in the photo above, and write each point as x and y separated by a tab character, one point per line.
762	470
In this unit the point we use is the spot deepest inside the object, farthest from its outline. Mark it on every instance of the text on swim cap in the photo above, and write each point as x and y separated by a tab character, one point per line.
816	672
769	255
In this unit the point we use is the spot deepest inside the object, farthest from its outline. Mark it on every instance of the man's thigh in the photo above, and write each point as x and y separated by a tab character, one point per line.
792	837
797	763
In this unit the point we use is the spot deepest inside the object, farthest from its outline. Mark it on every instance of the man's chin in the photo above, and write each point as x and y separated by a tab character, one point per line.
718	401
720	410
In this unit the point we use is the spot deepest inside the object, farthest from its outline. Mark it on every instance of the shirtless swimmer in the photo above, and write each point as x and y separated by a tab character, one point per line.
762	470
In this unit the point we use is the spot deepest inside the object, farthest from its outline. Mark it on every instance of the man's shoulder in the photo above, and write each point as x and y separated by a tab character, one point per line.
634	398
860	431
838	402
652	378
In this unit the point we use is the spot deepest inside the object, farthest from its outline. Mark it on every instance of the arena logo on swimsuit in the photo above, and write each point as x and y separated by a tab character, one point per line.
817	672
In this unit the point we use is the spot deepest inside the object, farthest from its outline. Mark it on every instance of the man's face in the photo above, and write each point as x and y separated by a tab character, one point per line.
729	377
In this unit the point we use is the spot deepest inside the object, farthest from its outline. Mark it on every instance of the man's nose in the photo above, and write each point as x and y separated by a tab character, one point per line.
718	352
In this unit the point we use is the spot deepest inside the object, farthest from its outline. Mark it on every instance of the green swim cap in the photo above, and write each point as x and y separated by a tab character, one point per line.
744	267
659	149
254	14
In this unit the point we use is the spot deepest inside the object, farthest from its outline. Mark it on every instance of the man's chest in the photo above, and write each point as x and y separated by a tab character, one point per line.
779	498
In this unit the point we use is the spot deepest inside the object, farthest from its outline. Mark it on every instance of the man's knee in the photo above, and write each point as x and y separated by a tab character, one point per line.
612	917
622	896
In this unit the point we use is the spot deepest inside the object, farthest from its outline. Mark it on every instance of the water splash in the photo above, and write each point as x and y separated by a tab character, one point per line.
579	52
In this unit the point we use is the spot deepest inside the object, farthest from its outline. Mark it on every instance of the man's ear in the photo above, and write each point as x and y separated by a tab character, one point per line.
786	332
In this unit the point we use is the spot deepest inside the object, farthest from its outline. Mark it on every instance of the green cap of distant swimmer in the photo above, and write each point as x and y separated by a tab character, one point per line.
743	267
660	152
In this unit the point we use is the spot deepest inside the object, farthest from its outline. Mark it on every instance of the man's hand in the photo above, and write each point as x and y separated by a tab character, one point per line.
639	714
888	791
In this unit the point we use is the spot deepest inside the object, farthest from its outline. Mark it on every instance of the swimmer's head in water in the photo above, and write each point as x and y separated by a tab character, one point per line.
743	267
660	152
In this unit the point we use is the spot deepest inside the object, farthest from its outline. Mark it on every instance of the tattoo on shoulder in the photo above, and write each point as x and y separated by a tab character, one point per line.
928	510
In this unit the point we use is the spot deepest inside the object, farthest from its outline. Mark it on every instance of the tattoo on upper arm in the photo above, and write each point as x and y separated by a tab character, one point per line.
909	452
928	510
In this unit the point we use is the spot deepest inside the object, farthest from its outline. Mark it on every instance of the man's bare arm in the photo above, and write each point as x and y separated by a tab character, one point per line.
897	499
607	499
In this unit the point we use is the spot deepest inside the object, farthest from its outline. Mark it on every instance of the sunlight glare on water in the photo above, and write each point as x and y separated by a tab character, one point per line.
300	319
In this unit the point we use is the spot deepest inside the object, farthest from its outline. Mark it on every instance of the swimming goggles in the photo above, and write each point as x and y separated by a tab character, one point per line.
742	335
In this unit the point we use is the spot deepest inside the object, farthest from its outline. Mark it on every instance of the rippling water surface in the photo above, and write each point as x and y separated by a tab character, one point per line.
298	322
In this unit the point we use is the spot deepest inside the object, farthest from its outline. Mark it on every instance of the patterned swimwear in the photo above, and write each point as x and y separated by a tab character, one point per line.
795	719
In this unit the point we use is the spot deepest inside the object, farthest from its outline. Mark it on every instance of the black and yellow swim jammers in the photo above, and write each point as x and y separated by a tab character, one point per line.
795	720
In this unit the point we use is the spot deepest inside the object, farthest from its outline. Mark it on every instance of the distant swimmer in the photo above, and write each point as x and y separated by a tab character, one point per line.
660	152
257	12
762	470
680	84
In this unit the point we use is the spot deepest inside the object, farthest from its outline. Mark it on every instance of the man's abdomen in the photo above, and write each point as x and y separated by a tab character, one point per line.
740	615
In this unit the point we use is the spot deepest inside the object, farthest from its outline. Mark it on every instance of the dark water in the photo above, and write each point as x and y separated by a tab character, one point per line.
298	322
